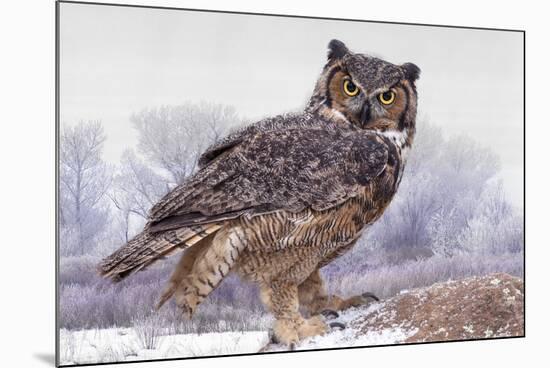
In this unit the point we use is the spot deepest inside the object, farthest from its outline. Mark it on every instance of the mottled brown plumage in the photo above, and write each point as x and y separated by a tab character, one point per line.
278	200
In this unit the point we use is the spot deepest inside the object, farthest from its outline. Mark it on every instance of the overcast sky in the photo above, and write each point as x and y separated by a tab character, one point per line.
118	60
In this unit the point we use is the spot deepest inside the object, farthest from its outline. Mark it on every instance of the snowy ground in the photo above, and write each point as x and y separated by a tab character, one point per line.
353	334
452	310
124	344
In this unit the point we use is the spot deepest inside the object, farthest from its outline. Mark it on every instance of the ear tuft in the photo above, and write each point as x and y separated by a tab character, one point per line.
412	72
336	49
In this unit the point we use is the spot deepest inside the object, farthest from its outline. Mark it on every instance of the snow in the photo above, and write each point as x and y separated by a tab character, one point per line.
124	344
468	328
352	335
348	337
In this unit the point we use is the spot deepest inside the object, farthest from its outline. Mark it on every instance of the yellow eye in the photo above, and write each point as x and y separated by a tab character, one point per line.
350	88
387	97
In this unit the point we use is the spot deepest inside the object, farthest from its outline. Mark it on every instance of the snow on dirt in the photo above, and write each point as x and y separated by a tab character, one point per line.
352	335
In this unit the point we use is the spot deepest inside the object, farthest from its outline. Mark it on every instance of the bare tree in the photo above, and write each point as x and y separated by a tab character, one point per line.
84	181
136	189
173	137
170	139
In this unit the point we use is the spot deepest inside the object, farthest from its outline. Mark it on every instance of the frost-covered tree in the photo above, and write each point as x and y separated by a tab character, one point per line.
173	137
438	195
170	141
136	189
84	180
494	228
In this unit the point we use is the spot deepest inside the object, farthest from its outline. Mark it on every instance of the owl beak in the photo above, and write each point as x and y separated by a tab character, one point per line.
365	114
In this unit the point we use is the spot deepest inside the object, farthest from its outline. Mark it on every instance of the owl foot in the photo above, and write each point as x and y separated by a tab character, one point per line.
187	301
285	332
329	314
337	326
363	299
337	303
370	295
333	326
290	332
186	311
272	338
312	327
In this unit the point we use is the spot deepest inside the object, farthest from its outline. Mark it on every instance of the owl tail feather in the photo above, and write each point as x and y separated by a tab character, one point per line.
147	247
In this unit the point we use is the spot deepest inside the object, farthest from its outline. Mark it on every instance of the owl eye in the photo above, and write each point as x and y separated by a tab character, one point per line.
387	97
350	88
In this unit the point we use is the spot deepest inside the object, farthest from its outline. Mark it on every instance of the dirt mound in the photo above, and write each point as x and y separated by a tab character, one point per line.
476	307
473	308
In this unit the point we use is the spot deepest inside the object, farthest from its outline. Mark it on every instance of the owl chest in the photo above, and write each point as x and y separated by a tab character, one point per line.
294	245
285	231
283	242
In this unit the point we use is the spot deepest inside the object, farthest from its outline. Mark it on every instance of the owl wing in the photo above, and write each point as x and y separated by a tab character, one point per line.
265	171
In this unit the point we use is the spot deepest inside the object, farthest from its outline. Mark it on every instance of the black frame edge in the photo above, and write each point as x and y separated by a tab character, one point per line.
288	15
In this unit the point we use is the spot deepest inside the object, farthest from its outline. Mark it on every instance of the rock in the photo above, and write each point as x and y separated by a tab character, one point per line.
472	308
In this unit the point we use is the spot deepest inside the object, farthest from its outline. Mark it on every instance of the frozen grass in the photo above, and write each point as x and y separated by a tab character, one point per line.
87	302
90	306
389	280
148	330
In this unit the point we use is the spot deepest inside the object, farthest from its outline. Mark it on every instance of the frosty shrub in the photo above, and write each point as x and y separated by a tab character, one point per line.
87	301
387	280
79	270
495	227
148	329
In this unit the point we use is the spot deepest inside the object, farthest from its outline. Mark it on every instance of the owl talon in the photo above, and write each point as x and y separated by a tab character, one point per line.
186	310
370	295
329	314
272	337
337	325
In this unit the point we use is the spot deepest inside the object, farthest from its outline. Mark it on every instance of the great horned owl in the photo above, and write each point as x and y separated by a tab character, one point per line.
276	201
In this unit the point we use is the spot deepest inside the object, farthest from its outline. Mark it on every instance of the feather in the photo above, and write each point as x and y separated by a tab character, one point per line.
147	247
290	163
287	163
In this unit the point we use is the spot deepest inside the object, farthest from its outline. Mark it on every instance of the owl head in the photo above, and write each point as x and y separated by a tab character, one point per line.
366	91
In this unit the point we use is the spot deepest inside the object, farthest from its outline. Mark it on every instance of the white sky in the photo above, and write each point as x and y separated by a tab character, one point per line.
118	60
